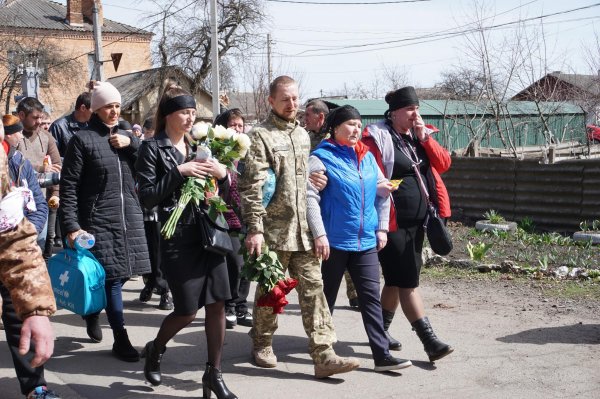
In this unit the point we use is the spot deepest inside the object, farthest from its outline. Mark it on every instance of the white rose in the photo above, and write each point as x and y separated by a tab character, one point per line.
221	133
200	130
231	133
244	143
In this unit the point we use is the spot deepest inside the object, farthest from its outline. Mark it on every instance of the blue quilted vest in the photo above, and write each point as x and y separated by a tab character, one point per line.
348	200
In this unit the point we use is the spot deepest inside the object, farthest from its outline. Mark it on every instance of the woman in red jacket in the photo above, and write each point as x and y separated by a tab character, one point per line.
403	147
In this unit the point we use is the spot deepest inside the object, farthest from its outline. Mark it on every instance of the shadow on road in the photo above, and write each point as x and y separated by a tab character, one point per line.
573	334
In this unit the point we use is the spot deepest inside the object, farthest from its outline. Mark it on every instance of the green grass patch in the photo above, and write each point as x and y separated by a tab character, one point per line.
574	290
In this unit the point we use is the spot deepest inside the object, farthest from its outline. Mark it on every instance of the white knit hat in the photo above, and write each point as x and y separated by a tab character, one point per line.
104	93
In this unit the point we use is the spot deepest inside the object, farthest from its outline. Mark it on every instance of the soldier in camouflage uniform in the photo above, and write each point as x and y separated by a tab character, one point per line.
279	143
314	118
25	284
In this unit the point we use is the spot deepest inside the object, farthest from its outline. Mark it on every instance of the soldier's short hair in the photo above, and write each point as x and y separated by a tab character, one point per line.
282	80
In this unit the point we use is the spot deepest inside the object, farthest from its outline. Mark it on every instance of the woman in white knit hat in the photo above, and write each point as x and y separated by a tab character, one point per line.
99	197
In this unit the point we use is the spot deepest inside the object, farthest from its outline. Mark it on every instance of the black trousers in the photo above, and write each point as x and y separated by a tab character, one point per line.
239	286
155	278
29	378
363	267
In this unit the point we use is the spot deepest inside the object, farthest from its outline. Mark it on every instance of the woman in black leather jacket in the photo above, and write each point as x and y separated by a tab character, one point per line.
197	278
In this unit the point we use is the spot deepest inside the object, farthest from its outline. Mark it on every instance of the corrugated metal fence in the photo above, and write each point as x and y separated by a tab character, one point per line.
556	196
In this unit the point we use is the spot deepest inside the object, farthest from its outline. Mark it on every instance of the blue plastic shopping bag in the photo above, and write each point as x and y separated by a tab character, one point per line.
77	281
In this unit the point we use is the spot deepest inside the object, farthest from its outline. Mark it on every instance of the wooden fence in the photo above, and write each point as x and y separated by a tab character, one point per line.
556	196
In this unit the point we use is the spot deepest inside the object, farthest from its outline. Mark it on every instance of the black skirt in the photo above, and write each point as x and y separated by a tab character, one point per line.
196	277
401	259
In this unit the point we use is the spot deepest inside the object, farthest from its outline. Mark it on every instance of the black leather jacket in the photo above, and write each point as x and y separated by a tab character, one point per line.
159	180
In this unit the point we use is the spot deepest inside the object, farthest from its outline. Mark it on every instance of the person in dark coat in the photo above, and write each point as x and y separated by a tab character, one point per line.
99	197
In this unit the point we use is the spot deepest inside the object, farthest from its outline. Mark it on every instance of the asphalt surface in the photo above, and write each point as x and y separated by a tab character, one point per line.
500	352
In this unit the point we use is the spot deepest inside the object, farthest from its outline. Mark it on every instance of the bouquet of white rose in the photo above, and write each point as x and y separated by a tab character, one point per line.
227	146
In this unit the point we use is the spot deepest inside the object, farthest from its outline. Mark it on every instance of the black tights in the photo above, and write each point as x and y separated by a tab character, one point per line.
214	327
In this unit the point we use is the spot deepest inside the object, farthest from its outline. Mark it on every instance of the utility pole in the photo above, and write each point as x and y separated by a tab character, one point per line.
269	65
98	73
214	50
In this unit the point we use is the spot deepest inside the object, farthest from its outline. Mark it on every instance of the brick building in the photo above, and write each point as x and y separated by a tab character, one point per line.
60	41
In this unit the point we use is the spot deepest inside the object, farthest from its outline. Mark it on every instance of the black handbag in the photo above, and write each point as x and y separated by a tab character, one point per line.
214	235
438	236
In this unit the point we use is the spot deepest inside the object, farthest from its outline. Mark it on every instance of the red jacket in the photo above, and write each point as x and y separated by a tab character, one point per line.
439	160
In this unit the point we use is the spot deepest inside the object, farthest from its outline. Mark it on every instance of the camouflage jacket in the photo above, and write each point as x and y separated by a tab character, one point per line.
283	147
22	269
316	138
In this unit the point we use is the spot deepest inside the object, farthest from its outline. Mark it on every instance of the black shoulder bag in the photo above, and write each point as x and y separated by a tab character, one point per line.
438	235
213	234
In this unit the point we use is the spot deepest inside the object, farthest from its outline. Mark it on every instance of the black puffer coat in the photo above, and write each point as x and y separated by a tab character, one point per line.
98	195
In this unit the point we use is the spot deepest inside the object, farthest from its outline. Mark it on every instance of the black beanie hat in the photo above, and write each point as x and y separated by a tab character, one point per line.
338	116
401	98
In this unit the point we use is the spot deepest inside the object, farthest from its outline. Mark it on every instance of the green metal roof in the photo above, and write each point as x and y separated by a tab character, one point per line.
454	107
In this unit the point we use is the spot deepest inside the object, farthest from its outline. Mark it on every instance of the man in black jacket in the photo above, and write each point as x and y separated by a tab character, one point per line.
64	128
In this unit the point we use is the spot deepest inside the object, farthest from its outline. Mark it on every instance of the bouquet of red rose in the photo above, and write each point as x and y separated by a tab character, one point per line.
267	271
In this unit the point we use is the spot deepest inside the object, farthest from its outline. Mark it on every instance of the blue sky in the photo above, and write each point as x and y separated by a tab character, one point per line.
330	46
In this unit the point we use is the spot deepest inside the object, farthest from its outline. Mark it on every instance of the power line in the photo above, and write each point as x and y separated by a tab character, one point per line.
105	4
318	29
329	47
127	35
375	3
438	35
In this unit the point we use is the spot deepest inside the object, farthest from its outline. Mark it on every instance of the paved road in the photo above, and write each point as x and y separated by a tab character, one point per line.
500	352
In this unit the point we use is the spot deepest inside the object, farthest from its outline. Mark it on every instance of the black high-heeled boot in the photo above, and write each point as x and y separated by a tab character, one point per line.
434	348
152	364
212	381
394	344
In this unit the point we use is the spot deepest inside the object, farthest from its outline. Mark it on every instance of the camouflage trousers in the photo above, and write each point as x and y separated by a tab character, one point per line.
350	290
318	325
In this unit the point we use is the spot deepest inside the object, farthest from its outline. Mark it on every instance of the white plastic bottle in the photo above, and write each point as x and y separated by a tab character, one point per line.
203	152
85	240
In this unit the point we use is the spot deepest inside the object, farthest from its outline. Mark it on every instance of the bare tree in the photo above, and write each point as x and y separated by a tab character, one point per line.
463	83
493	67
185	35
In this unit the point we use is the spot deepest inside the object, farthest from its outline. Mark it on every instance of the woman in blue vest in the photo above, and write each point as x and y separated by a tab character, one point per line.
349	223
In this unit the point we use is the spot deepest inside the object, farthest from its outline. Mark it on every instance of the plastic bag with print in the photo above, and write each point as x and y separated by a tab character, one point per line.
12	206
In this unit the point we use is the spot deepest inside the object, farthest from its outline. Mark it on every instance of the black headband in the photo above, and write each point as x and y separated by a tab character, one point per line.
177	103
402	98
338	116
10	129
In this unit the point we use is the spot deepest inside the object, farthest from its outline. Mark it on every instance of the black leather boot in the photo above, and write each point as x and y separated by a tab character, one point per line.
434	348
152	364
94	331
388	316
212	381
122	347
